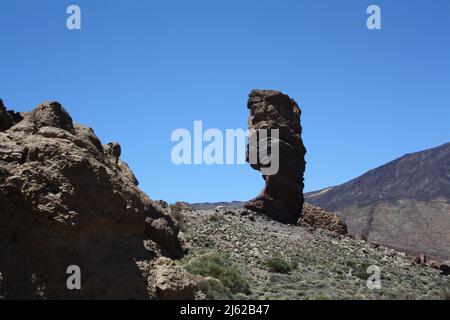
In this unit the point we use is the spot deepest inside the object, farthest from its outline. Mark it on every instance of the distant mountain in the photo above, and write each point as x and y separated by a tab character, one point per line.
213	205
404	204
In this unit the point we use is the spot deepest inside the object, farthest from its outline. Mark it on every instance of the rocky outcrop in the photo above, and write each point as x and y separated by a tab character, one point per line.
172	282
282	196
6	120
181	206
317	218
445	267
324	266
67	200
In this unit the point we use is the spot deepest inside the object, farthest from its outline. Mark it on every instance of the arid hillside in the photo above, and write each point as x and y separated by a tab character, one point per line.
404	204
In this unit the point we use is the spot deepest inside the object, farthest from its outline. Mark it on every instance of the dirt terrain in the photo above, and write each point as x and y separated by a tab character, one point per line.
271	260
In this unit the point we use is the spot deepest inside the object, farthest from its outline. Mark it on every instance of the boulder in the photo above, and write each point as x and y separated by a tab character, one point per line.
47	114
317	218
64	201
282	196
6	120
445	268
172	282
112	152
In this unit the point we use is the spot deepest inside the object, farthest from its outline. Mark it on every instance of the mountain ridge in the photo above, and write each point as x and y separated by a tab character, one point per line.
403	203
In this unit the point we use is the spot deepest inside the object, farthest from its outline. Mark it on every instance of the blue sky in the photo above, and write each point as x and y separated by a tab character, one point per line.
139	69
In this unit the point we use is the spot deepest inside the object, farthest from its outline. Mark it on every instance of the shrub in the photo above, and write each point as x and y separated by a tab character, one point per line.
279	265
204	241
240	296
177	214
214	289
359	269
321	297
219	267
215	217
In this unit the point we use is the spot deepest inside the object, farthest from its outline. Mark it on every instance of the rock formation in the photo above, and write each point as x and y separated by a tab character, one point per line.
67	200
317	218
5	119
445	267
181	206
282	197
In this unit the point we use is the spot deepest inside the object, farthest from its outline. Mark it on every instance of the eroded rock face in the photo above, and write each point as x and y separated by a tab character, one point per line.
317	218
181	206
5	119
282	197
67	200
445	267
172	282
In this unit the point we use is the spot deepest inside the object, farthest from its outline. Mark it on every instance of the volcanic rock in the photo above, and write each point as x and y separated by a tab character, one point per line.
172	282
282	197
5	119
65	200
181	206
445	268
317	218
112	150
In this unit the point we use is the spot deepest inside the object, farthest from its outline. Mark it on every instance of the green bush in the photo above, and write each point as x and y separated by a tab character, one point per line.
279	265
219	267
446	295
215	217
359	269
204	241
321	297
177	214
240	296
214	289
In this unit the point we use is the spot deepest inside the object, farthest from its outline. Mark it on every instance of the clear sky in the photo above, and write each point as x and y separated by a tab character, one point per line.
139	69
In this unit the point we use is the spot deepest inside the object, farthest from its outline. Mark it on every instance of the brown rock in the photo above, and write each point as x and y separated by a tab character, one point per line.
317	218
434	265
163	204
48	114
64	202
422	259
282	197
173	282
112	151
6	121
445	268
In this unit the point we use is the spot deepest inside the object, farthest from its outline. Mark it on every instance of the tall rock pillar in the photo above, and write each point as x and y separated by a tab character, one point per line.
282	196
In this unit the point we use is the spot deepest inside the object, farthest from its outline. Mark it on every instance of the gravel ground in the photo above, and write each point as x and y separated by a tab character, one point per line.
325	265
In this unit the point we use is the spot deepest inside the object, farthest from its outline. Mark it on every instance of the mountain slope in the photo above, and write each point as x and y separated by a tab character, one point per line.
279	261
404	204
213	205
